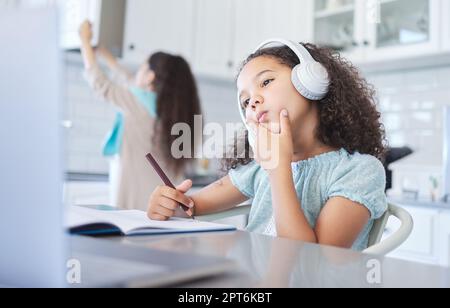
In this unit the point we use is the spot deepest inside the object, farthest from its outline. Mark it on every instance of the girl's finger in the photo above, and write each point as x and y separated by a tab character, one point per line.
168	203
185	186
161	210
176	196
155	216
285	123
253	128
190	212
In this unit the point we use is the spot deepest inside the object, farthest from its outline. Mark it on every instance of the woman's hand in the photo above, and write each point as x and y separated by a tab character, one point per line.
85	32
164	201
274	145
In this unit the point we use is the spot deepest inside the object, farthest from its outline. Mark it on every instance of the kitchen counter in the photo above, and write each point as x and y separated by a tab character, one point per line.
199	181
266	262
419	203
86	177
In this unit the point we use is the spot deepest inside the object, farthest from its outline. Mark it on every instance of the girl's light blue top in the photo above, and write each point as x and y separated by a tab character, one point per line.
148	100
359	178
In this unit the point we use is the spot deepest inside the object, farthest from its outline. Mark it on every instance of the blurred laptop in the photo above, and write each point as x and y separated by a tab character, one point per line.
35	251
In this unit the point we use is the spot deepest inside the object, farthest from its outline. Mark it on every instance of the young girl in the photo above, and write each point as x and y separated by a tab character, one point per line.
162	93
328	185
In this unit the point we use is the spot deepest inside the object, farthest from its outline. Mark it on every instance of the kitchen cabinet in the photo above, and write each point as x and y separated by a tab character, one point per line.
214	38
228	31
154	25
107	18
340	26
73	13
420	246
444	237
446	24
258	20
406	27
372	31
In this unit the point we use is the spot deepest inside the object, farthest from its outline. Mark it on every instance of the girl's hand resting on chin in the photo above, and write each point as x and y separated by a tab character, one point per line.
274	144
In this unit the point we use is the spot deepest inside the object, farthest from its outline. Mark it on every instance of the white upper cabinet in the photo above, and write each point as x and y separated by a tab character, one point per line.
404	27
445	26
227	31
378	30
258	20
154	25
73	13
340	26
214	36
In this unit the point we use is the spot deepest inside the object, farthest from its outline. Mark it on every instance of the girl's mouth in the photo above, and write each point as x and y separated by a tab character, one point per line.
262	117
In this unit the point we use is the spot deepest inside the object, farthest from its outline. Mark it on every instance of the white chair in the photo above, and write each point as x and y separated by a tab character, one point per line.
375	245
378	247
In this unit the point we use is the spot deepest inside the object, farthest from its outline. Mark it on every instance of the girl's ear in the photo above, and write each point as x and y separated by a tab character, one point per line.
150	77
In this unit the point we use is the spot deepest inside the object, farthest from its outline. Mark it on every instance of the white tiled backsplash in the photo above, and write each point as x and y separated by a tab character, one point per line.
412	104
410	101
91	120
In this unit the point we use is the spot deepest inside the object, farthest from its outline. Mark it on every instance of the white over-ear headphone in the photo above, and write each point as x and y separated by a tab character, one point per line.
310	78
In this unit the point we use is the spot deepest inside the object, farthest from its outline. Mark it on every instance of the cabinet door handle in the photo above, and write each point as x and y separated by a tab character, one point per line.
230	64
131	47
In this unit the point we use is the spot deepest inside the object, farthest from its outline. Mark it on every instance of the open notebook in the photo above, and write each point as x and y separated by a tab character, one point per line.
85	221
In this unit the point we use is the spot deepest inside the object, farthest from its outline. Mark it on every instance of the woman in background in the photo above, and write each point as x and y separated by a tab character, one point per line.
161	94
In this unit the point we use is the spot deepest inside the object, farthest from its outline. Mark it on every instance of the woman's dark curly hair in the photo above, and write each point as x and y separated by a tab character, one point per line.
348	116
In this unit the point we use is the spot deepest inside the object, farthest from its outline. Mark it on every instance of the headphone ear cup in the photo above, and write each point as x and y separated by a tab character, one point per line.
298	74
311	80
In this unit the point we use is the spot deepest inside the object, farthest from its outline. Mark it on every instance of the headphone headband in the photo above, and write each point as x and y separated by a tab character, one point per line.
301	52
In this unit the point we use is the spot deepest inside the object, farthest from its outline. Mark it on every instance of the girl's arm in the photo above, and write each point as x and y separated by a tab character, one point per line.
339	223
289	218
217	197
99	82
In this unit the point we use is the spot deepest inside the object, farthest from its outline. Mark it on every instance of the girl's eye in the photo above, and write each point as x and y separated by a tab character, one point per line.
267	82
245	103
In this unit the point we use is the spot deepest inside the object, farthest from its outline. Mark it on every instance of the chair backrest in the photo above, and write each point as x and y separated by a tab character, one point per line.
376	234
375	246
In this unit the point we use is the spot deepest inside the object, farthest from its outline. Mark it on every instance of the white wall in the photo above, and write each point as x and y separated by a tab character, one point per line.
410	102
91	120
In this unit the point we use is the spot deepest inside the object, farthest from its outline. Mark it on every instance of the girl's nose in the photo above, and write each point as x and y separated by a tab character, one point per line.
255	101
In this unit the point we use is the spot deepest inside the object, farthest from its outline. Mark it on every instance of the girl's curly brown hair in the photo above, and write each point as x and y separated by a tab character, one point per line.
348	116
